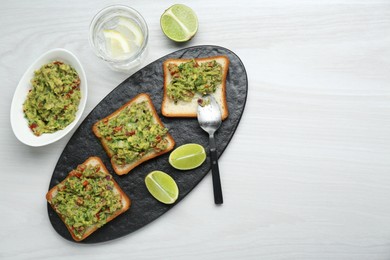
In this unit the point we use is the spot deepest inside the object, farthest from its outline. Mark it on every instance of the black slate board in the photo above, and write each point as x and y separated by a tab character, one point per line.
145	208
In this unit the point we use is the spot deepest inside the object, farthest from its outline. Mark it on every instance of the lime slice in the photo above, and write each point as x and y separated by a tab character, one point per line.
162	187
187	156
179	23
130	30
116	43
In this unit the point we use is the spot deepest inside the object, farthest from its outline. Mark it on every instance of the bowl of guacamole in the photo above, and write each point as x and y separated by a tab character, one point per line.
49	99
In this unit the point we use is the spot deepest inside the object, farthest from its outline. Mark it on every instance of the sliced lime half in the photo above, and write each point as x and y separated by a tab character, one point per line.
179	23
187	156
162	187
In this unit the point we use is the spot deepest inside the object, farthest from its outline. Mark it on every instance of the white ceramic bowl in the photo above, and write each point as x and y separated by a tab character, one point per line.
19	122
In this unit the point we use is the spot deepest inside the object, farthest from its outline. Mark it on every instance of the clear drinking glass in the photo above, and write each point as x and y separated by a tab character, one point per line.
118	34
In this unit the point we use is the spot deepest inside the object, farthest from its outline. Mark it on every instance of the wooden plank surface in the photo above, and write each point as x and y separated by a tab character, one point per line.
307	174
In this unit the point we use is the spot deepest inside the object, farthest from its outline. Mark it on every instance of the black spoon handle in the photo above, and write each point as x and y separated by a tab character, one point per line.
218	199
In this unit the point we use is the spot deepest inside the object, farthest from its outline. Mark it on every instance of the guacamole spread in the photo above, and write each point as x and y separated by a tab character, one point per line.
192	77
132	133
54	98
86	198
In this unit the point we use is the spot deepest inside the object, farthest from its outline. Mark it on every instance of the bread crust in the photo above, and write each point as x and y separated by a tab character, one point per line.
128	167
126	202
167	107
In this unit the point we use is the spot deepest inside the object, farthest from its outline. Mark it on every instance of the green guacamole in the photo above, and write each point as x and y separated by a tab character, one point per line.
133	133
86	198
191	77
52	103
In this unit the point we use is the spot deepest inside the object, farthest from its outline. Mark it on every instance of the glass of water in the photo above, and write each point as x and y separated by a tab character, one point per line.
118	34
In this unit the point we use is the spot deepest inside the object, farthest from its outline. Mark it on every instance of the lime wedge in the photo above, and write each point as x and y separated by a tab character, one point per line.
179	23
187	156
162	187
130	30
116	43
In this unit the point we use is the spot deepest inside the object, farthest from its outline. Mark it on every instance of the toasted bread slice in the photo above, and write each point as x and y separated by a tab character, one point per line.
124	199
189	109
152	153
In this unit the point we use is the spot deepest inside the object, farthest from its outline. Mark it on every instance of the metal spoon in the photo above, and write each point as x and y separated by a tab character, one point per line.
209	118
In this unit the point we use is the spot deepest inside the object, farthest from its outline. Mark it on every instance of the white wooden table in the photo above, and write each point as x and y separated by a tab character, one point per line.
307	174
